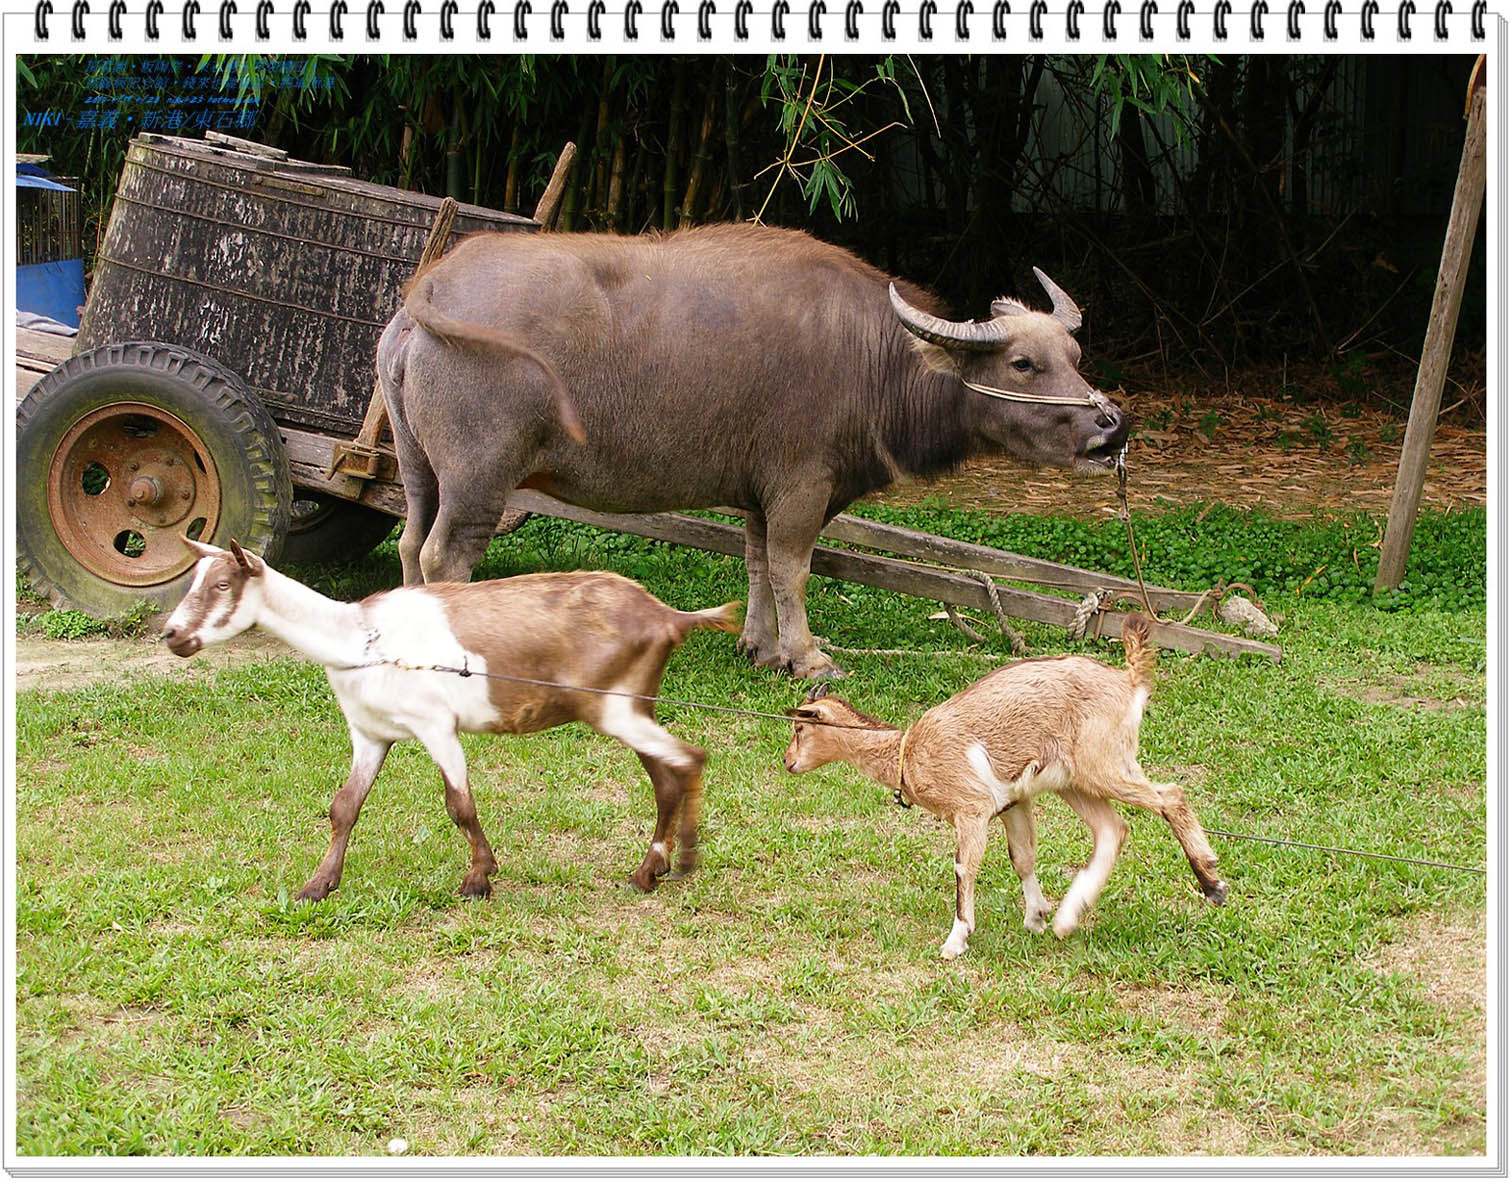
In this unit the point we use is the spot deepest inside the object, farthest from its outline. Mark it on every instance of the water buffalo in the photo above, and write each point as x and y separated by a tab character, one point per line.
727	365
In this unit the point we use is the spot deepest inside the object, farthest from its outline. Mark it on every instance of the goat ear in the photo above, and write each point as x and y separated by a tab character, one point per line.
251	563
819	690
200	548
801	713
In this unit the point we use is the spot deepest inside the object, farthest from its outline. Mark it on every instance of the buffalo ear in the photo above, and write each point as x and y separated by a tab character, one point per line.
1006	306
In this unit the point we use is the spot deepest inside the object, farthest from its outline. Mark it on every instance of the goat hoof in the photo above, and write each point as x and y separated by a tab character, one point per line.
1217	894
472	889
314	892
1037	923
641	887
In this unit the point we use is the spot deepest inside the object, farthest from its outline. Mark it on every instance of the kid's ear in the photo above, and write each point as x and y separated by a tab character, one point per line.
801	712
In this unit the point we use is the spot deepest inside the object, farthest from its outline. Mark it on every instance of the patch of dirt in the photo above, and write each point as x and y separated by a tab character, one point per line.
1447	959
1435	688
52	666
1290	458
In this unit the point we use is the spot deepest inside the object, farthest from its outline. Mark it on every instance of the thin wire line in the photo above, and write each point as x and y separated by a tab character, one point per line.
1238	836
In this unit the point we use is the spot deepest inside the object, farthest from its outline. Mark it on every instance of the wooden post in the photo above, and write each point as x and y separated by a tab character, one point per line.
1427	398
548	208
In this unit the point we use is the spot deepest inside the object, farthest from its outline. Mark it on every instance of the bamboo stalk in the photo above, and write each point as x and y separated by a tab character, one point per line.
732	144
599	203
511	178
614	205
701	157
673	139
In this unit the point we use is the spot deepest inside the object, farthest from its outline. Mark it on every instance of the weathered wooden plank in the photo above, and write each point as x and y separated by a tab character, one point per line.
889	573
37	354
1002	563
309	458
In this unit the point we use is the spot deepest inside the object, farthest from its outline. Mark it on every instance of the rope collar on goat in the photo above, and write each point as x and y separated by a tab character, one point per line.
900	797
1094	398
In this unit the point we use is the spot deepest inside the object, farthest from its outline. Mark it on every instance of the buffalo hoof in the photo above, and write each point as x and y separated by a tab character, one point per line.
813	666
762	653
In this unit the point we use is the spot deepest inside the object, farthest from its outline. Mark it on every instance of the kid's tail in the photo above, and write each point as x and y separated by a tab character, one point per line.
725	618
1141	651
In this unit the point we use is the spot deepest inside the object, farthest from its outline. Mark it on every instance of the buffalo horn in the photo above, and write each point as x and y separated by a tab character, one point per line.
1065	309
949	334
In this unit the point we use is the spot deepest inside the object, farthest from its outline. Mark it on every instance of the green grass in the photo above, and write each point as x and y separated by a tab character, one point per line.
789	997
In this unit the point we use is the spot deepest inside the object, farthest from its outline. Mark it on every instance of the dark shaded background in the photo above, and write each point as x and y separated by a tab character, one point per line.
1210	215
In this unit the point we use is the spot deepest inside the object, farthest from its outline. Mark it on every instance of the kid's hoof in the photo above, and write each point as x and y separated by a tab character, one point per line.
640	885
314	892
472	888
1217	894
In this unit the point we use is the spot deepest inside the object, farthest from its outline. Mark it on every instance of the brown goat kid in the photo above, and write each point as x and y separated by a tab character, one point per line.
1063	724
588	629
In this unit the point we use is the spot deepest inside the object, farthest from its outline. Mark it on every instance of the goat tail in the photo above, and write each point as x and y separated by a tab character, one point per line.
724	619
420	306
1140	649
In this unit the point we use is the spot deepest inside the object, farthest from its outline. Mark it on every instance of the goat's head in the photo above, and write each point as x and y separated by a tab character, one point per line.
222	601
820	727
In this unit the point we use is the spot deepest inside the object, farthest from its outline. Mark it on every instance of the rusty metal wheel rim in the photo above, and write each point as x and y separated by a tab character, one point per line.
126	484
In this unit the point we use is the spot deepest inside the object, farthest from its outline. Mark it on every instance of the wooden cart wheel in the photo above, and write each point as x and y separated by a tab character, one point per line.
125	450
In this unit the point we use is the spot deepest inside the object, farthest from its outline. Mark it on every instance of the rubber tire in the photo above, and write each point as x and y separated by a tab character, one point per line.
337	531
256	493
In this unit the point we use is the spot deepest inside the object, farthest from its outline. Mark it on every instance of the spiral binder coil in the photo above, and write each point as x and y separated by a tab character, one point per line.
713	22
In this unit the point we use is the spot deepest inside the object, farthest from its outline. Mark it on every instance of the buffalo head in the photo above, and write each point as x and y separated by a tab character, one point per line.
1022	365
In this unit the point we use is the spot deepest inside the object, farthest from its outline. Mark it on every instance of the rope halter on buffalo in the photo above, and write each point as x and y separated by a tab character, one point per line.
1093	398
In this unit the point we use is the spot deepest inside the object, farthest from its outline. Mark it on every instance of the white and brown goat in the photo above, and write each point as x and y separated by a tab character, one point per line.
1062	724
589	629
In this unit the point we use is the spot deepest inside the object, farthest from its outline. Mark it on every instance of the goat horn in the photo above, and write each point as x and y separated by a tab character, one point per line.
819	690
949	334
241	558
1065	309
